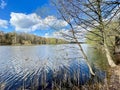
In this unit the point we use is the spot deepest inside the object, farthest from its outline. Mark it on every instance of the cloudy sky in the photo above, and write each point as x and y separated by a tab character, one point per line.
30	16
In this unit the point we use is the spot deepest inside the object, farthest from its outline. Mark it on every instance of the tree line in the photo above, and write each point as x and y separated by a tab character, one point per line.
13	38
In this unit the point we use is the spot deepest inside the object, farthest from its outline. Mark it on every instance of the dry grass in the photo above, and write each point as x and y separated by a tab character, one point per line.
110	82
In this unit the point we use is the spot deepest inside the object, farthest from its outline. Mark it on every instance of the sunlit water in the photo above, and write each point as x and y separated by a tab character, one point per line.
41	66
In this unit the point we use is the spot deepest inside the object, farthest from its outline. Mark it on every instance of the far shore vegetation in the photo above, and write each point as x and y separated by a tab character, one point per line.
13	38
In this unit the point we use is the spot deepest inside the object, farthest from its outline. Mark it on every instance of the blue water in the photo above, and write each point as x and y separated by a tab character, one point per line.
40	67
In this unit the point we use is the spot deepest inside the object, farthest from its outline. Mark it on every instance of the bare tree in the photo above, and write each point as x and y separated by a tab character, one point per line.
71	36
90	14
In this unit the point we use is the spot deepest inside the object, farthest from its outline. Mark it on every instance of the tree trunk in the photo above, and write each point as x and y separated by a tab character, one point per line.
108	55
86	59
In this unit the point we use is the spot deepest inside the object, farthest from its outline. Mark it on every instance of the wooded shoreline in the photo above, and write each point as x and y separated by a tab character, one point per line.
13	38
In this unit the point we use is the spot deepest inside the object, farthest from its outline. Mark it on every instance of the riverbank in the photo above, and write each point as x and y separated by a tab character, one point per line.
114	78
111	82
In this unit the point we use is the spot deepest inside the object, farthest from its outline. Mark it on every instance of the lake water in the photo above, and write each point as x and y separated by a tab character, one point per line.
43	66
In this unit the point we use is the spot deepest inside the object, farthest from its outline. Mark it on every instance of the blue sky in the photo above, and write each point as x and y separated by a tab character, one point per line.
30	16
23	6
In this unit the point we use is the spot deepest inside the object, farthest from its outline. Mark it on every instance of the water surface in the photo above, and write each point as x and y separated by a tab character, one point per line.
42	66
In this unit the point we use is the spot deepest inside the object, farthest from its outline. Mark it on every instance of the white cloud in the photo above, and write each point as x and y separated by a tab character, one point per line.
78	31
54	22
32	22
67	34
3	4
23	22
3	23
63	33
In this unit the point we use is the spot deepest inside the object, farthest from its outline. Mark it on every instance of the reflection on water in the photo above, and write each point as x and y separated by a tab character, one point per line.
42	66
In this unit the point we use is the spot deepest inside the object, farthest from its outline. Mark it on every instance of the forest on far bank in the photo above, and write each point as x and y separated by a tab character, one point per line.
13	38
